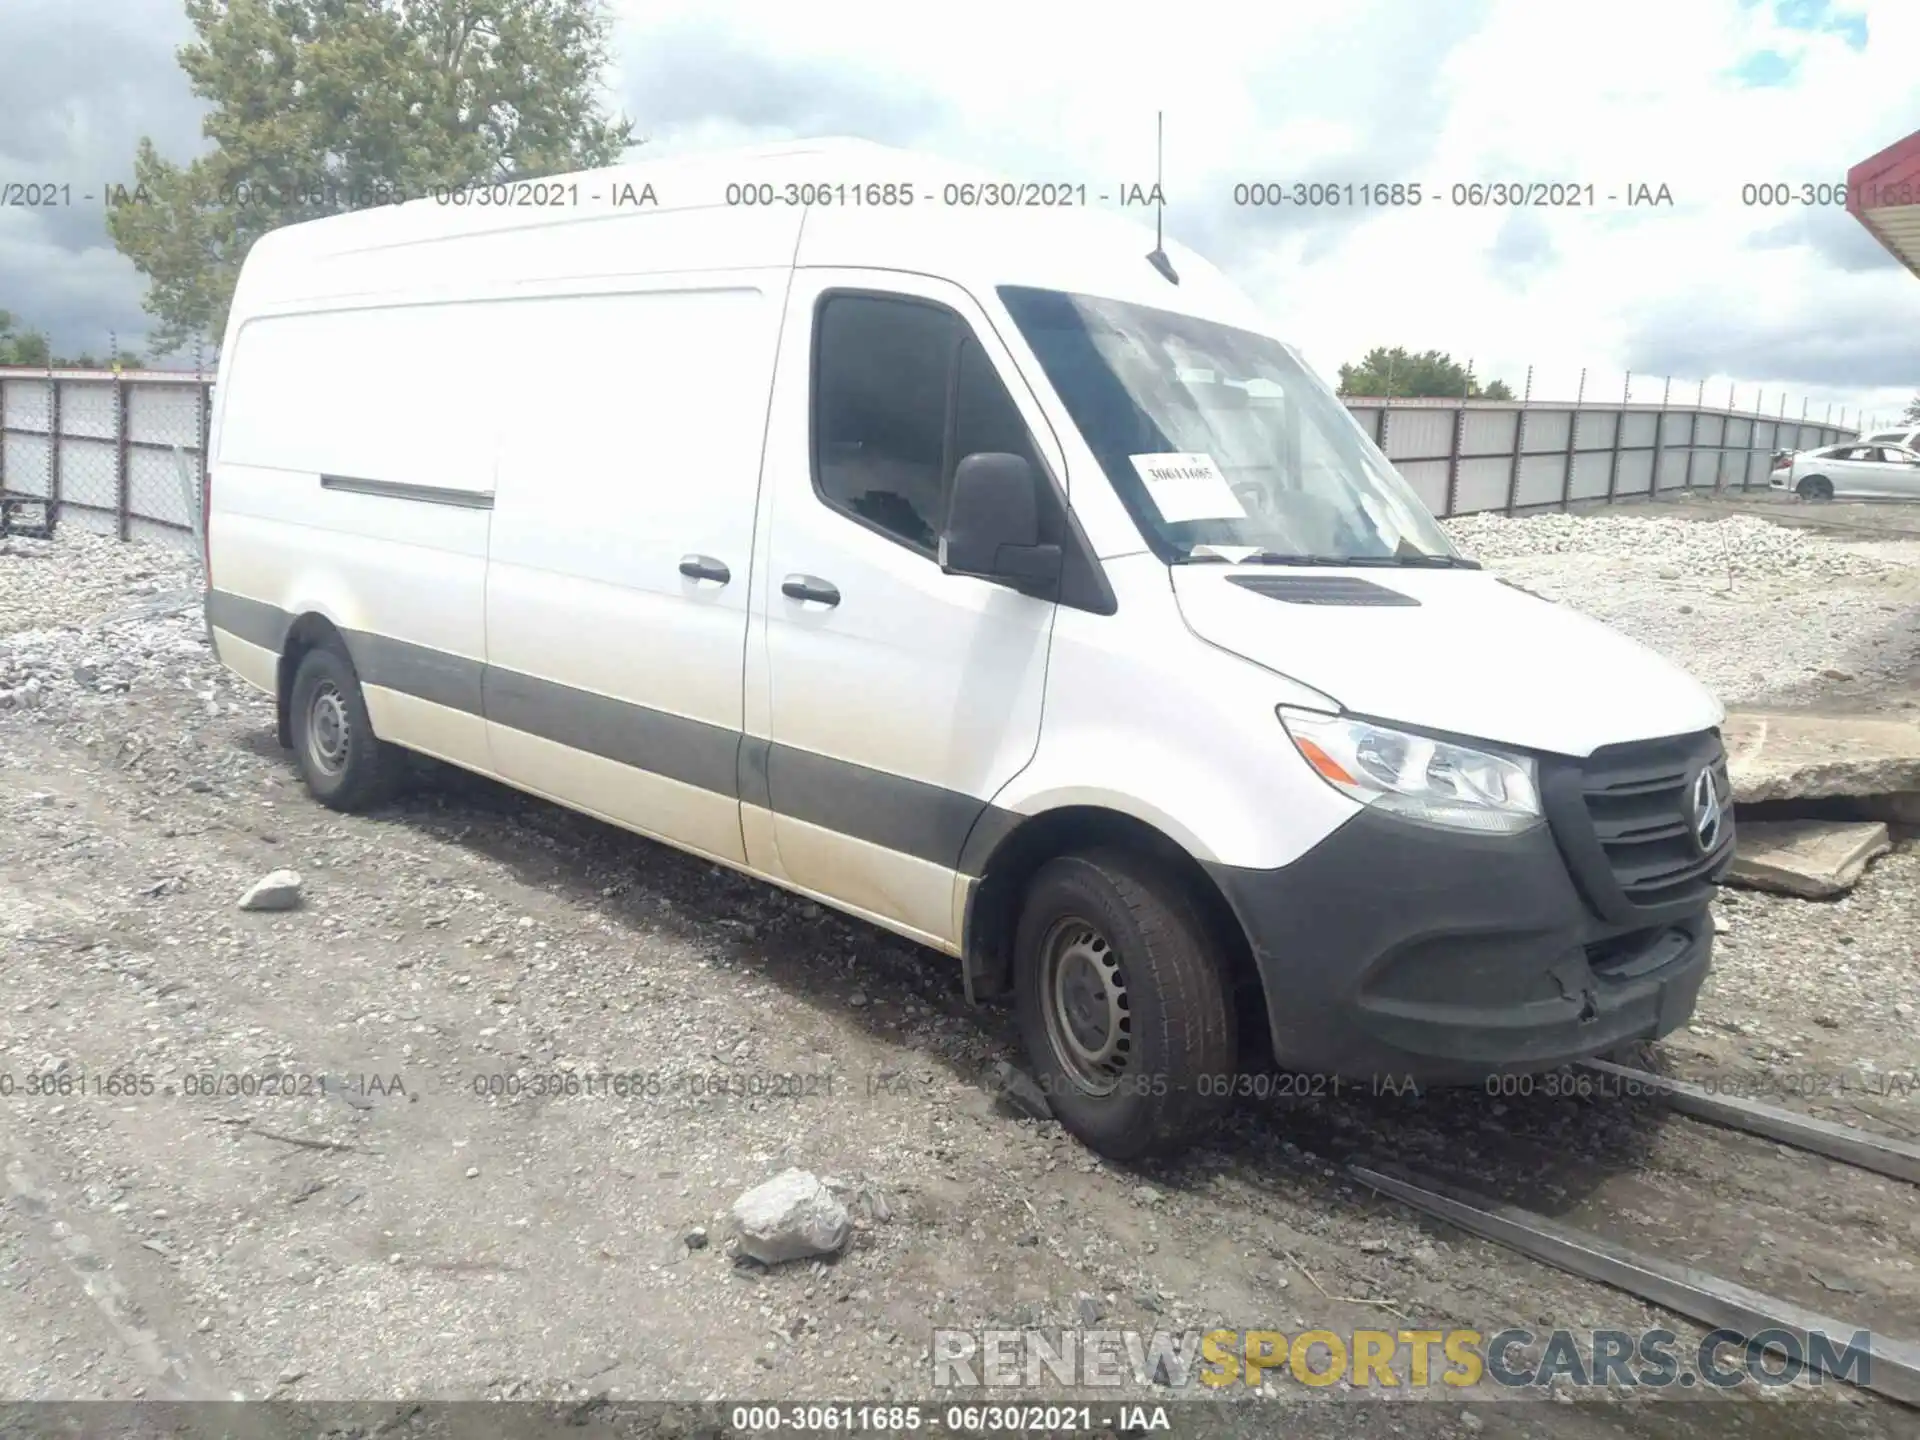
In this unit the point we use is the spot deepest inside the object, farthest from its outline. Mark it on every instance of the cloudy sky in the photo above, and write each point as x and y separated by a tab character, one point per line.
1701	96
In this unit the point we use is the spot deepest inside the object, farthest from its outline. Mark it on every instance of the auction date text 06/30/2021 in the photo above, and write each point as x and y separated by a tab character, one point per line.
324	197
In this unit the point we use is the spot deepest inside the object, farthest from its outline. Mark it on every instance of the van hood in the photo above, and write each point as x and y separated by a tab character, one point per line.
1448	650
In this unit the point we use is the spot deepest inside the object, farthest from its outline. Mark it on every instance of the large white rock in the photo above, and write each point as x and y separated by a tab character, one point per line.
790	1217
278	891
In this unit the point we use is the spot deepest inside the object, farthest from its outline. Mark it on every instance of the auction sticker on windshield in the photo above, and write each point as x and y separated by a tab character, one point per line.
1188	487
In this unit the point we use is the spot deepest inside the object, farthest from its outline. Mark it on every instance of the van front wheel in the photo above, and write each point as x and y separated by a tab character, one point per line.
346	766
1126	1015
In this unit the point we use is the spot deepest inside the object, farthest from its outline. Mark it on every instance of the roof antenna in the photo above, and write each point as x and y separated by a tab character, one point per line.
1158	259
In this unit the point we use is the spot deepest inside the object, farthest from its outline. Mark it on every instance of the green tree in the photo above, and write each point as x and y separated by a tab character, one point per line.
22	347
1397	373
321	106
31	347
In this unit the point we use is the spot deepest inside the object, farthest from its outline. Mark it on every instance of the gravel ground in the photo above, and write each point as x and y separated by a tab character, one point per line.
362	1239
1758	611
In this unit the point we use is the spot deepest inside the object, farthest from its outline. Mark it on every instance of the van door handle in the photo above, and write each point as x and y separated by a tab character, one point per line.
704	567
809	587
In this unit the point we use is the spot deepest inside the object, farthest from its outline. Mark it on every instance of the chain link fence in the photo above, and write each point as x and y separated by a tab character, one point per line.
125	454
122	454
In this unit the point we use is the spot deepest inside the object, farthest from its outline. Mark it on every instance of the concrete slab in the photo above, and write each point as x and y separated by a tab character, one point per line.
1781	756
1815	859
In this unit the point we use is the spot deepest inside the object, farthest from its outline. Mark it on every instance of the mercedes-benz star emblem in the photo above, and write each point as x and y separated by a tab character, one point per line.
1706	811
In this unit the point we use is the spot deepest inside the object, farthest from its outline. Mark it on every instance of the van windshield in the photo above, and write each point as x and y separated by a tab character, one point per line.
1220	439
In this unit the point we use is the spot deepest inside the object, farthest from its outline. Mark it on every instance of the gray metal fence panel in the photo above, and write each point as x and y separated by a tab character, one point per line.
1490	432
154	490
1547	430
1420	434
25	418
113	466
1636	471
27	401
100	447
1591	471
1597	428
1429	481
1543	479
1673	468
1483	484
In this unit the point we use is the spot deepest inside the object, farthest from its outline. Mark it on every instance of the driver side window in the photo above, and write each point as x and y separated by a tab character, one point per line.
901	394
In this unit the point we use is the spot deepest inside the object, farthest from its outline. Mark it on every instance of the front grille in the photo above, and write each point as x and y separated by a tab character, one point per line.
1624	819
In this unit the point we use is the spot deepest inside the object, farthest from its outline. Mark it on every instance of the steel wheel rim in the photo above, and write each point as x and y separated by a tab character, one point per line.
329	730
1088	1013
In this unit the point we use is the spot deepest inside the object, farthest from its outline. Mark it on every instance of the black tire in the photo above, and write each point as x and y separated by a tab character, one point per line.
1814	487
1110	913
346	766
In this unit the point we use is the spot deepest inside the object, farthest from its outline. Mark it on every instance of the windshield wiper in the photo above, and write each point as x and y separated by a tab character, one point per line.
1278	557
1435	562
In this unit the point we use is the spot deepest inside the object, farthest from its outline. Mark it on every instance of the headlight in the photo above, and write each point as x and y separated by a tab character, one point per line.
1417	777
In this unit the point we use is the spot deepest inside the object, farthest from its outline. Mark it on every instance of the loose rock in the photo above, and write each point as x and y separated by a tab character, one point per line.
1016	1093
277	891
791	1217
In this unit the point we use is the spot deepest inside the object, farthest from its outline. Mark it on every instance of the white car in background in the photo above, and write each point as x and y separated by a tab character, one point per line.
1856	469
1906	437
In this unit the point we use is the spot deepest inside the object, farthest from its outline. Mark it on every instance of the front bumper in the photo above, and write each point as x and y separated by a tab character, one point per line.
1395	951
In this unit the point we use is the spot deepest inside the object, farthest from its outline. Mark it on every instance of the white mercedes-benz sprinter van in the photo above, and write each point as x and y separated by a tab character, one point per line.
949	561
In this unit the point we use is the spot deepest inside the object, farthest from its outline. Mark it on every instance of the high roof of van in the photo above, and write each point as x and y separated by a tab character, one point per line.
833	202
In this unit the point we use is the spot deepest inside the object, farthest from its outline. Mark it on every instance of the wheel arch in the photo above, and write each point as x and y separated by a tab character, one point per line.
309	631
992	905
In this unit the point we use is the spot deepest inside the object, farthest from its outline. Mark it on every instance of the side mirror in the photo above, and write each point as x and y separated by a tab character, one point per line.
993	525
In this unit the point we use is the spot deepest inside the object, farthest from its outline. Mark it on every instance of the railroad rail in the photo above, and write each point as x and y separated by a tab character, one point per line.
1891	1370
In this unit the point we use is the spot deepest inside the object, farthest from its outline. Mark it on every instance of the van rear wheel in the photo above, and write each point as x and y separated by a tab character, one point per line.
1126	1013
346	766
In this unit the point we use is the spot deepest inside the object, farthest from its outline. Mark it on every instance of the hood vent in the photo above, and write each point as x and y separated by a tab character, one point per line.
1322	590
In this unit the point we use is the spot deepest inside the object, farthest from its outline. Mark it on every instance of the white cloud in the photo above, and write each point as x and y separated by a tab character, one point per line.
1370	90
1642	91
